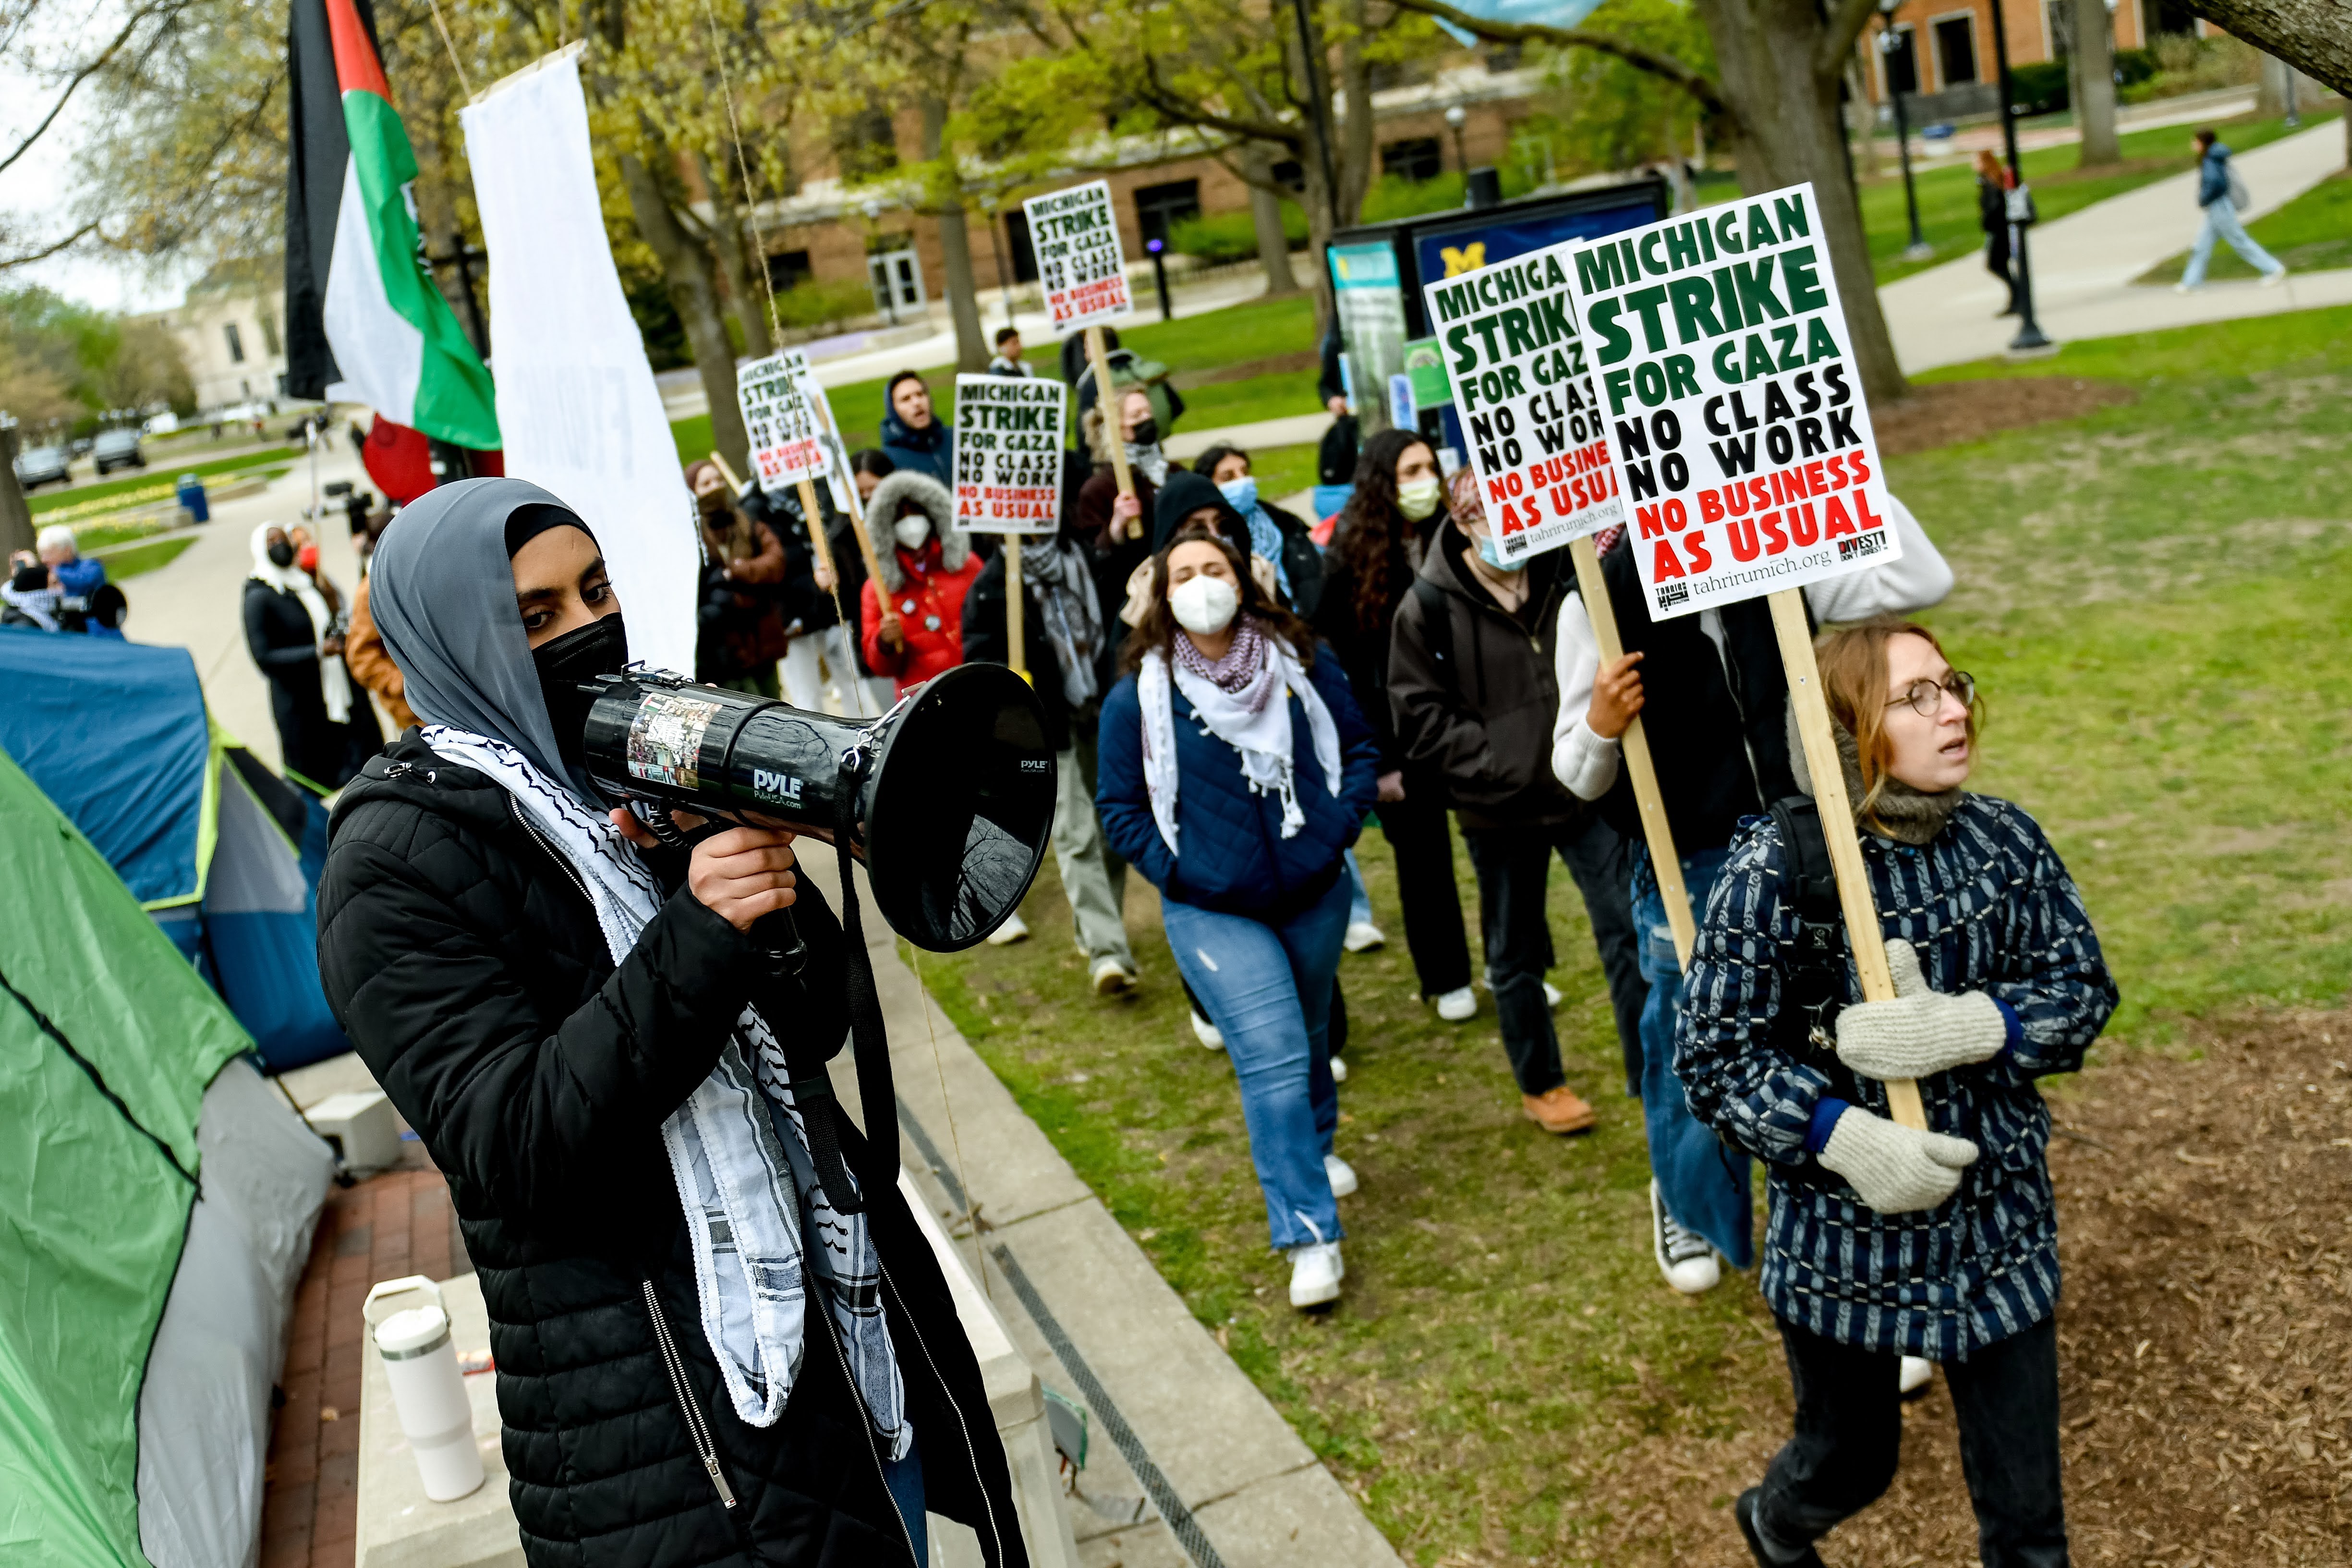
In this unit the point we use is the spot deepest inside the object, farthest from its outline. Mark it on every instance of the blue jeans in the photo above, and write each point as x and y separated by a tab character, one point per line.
1702	1179
2221	222
905	1479
1360	897
1268	988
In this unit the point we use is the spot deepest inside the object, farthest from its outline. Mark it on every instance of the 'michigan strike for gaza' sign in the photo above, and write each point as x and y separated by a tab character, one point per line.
1728	384
1008	454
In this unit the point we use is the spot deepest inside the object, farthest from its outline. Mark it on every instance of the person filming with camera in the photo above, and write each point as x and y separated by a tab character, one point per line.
708	1351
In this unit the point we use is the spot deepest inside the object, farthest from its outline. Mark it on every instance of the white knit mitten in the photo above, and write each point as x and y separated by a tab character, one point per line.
1921	1032
1894	1169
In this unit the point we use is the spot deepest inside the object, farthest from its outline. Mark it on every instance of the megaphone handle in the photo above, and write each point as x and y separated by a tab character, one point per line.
788	956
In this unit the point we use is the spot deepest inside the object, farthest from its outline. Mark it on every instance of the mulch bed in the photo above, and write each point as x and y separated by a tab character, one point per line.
1943	413
2205	1224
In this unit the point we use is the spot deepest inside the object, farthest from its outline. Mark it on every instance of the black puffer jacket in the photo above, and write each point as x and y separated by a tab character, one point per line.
465	964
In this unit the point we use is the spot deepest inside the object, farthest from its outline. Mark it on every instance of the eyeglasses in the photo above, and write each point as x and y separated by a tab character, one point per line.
1927	696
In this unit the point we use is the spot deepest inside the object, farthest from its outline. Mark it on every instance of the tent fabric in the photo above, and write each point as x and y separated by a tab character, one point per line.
107	1041
261	926
114	734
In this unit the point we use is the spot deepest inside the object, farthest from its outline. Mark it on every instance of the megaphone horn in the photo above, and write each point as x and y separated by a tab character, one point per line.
949	797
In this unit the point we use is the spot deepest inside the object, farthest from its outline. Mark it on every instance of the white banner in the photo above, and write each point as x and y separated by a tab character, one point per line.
576	399
1008	454
1081	265
1524	393
1735	409
785	434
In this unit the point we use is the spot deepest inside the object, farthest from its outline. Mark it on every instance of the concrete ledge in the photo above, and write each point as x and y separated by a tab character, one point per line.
399	1526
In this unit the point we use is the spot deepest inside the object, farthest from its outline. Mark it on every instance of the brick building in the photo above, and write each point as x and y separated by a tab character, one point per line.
1944	48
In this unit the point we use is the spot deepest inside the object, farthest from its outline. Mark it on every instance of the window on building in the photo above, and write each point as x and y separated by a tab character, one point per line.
1902	61
1955	50
786	267
1023	260
269	334
236	343
2169	16
1416	158
1156	208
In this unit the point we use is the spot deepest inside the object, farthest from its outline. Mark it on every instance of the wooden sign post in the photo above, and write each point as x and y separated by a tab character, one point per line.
1108	403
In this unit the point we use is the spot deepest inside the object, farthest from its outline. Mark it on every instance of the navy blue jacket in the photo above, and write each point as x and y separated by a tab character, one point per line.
930	450
2213	175
1233	857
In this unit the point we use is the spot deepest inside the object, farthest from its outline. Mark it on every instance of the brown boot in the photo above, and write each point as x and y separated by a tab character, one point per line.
1558	1111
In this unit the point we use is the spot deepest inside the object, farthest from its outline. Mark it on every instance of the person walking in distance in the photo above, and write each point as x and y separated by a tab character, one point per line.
325	728
1007	360
1882	1241
1993	186
2221	196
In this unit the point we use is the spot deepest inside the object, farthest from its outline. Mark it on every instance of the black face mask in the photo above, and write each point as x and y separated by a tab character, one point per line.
1146	434
584	652
281	554
31	579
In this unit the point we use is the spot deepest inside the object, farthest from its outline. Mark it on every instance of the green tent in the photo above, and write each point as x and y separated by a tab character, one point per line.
156	1202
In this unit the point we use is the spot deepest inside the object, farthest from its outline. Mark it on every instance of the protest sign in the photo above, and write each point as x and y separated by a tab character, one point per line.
777	421
1526	396
1733	402
1008	454
1081	265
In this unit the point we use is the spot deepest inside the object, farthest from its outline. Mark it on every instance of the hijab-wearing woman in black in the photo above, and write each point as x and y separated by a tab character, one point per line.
701	1358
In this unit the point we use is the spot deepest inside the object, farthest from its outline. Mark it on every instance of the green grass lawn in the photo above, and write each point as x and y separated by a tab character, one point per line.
2310	233
2153	600
1948	193
141	558
150	484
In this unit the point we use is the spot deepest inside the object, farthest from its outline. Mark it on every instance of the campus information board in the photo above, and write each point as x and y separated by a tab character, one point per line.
1081	265
1733	404
1008	454
1525	395
780	420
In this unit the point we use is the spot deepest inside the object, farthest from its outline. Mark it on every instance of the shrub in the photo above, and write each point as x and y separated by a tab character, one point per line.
2134	67
2039	87
1218	239
810	303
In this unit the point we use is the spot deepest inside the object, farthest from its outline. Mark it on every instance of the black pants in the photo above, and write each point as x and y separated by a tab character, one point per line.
1416	830
1996	260
1514	865
1849	1432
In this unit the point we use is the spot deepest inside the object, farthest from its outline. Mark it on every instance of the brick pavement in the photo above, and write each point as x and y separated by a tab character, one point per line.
391	1225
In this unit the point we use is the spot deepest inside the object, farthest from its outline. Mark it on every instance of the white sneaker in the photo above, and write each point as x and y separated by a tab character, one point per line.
1553	996
1342	1176
1363	936
1315	1274
2186	288
1207	1032
2272	280
1111	978
1013	929
1457	1006
1339	1069
1683	1256
1916	1371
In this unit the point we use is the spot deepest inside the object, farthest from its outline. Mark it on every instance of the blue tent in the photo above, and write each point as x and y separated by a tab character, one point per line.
220	851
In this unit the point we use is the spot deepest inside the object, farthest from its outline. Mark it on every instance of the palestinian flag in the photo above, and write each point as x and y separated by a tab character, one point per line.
363	319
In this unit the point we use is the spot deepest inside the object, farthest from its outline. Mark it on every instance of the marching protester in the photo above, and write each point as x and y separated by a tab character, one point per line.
1067	648
911	621
1471	681
1235	770
1882	1241
740	625
816	644
1713	688
913	436
1993	186
1127	369
867	469
364	647
1274	533
1007	359
1374	554
324	730
2221	196
1115	525
541	988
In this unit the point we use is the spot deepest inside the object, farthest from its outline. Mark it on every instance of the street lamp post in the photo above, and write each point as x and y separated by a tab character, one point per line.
1455	118
2030	335
1890	44
1160	275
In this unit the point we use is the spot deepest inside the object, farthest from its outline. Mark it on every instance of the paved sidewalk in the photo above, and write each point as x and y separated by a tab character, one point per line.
2083	264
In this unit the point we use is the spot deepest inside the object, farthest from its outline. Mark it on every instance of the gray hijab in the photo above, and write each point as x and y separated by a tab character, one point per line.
441	592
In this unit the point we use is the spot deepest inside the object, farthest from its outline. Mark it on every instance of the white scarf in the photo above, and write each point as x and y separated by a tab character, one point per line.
1263	737
334	681
740	1189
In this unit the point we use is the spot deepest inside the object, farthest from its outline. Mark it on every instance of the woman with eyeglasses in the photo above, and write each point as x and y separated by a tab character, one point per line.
1883	1242
1713	691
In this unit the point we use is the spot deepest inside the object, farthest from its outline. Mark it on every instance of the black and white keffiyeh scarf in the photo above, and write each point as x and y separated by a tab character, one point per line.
743	1191
1054	575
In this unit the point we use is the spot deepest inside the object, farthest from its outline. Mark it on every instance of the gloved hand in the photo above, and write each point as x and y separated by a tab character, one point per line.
1921	1032
1893	1168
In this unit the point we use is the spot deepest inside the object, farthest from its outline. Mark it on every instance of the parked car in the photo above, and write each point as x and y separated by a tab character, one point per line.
117	449
43	466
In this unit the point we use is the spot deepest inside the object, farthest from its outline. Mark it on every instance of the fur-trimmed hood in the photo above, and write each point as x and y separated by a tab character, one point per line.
938	504
1901	813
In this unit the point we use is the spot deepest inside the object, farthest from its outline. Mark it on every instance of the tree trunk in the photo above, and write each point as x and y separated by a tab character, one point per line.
746	289
1862	112
2271	91
1791	131
955	247
1358	146
686	268
1266	218
2310	33
2095	84
15	517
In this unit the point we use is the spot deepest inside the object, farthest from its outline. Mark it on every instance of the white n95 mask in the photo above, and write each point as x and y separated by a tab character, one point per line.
911	532
1204	606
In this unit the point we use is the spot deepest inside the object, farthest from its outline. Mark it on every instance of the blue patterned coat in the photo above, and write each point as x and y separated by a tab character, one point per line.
1990	908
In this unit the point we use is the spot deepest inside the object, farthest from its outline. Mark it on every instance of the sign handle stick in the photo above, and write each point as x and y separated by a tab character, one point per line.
734	485
864	540
1106	401
1639	769
1016	649
1864	938
818	542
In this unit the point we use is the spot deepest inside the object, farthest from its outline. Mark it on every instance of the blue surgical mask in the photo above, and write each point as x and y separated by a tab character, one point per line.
1241	492
1488	553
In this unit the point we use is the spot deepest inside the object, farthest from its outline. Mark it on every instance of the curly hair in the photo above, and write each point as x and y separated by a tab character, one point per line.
1370	540
1158	629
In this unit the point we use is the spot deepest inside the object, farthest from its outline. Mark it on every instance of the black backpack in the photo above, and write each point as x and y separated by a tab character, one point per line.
1812	991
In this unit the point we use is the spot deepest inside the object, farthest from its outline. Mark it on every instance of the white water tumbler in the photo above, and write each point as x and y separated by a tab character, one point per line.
429	1393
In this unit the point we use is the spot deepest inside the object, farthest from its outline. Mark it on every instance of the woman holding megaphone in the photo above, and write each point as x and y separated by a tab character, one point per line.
704	1354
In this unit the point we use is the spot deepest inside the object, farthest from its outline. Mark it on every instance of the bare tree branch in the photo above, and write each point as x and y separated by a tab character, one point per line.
1689	79
49	250
1840	28
90	68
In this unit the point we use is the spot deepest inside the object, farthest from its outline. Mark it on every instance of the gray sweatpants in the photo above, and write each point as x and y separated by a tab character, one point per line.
1092	875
